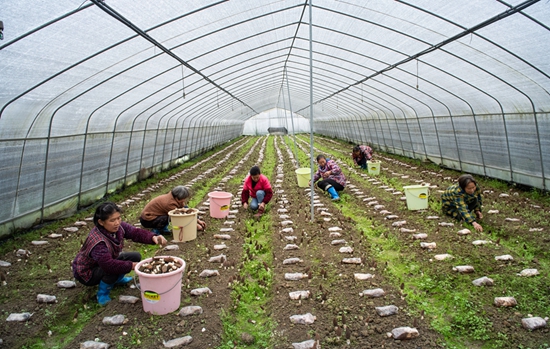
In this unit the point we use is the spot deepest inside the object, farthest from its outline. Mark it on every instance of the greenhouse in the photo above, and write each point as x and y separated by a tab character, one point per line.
117	101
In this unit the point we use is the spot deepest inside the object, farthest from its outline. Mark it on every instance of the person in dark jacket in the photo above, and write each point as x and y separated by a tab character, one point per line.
361	154
463	201
100	260
257	186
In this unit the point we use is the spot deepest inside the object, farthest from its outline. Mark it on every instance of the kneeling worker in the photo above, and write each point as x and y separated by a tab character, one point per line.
257	186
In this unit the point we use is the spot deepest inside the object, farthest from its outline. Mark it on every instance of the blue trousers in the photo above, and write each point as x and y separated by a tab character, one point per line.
255	203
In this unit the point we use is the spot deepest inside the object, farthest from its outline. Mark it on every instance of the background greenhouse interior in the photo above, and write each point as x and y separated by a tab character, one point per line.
99	94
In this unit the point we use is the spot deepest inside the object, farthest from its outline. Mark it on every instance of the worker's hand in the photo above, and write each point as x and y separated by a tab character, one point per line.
327	174
159	240
309	184
201	225
477	226
479	215
245	205
262	205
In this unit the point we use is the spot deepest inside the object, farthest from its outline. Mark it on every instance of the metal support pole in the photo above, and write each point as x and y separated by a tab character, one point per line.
311	104
291	118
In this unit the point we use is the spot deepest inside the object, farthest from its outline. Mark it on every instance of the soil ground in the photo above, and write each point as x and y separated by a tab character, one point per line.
344	319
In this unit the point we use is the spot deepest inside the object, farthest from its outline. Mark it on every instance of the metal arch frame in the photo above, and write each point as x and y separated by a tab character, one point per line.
264	15
536	124
273	29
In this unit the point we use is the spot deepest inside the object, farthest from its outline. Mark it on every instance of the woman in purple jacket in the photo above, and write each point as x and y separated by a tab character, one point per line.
333	178
101	261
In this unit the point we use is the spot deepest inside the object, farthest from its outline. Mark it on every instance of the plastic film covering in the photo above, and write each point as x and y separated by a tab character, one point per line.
99	94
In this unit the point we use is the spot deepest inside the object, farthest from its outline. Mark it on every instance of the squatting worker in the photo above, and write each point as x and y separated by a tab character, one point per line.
361	154
101	261
463	201
257	186
155	214
333	178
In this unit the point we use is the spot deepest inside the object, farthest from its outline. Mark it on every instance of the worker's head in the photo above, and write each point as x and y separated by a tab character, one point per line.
321	160
181	193
467	183
255	173
107	215
356	150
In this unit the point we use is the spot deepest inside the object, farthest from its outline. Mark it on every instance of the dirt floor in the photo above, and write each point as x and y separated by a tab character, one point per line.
344	319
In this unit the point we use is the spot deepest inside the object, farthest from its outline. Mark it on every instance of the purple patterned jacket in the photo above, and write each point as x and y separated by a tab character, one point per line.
102	249
336	173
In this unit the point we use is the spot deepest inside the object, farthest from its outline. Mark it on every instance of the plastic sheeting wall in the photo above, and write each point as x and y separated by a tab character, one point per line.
51	178
504	147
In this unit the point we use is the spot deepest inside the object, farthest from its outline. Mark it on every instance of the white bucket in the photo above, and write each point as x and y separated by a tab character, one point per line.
417	197
373	167
184	225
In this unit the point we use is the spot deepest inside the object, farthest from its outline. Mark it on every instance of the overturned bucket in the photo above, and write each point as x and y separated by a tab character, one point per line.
220	202
160	293
184	224
303	175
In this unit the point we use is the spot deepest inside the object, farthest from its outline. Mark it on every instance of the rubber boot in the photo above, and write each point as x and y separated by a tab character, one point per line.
260	212
103	293
123	280
333	194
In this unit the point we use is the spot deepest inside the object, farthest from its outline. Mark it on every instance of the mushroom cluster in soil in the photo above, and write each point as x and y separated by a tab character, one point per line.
160	265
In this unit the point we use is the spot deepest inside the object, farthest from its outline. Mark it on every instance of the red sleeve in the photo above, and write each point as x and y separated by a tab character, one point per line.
268	195
245	194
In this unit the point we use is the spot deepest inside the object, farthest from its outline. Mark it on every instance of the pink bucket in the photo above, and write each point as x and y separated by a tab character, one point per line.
160	293
220	202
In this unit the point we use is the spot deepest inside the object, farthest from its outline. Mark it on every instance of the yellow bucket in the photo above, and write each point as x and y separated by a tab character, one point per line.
184	225
417	197
374	167
303	175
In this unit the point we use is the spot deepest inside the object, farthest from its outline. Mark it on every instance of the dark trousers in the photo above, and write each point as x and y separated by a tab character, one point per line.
99	274
327	183
158	223
363	162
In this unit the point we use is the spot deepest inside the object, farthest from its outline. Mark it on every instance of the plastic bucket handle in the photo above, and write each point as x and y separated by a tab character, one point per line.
171	288
180	234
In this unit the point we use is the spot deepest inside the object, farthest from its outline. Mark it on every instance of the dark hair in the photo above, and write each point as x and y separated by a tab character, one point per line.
255	170
320	156
104	211
356	149
466	179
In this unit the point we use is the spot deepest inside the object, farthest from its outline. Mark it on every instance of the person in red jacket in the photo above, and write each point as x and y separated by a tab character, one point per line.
257	186
101	261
